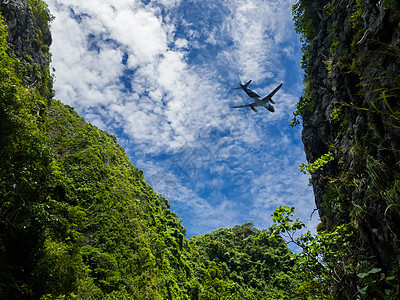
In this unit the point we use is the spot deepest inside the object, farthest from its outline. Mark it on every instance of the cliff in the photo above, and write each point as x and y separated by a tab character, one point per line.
351	109
29	38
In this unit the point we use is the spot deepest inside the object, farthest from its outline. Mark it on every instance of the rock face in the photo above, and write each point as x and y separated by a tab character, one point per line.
22	31
29	38
352	110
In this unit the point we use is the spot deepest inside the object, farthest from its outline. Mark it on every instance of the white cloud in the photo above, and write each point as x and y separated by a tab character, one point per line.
170	95
142	33
258	28
181	43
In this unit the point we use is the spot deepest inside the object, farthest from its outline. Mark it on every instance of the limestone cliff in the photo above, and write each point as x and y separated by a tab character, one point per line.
29	38
22	32
351	108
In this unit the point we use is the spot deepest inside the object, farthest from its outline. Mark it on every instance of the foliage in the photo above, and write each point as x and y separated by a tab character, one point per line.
325	261
337	113
318	164
128	239
24	167
301	108
241	264
42	17
376	282
355	18
33	67
305	26
76	216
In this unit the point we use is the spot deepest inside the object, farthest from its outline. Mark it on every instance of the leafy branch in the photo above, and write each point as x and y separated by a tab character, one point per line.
325	257
318	164
301	107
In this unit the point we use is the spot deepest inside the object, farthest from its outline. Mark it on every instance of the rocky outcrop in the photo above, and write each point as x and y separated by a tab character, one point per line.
22	33
353	111
29	38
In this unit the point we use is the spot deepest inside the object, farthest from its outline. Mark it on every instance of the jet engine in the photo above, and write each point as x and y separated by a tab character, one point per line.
253	108
270	108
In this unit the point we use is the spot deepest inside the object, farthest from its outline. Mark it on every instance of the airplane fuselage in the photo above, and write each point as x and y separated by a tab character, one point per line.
267	105
250	92
258	101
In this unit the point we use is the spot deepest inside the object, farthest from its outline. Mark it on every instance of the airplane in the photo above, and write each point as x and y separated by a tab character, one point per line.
256	98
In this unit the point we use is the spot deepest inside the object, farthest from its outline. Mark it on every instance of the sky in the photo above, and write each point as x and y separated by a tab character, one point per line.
159	76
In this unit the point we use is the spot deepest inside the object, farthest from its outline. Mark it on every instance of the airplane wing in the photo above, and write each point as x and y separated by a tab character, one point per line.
246	105
273	92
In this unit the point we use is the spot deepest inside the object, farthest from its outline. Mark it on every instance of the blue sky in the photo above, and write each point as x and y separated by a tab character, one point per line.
159	76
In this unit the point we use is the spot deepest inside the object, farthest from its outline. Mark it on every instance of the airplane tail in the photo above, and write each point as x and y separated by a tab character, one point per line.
243	85
247	84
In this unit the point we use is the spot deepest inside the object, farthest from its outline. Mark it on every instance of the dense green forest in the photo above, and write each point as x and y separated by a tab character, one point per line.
79	221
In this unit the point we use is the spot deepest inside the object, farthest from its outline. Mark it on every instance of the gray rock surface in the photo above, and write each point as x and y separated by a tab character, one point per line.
352	60
21	30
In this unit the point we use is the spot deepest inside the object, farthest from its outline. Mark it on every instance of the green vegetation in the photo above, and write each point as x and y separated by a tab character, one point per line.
318	164
42	17
305	26
117	235
24	167
242	263
301	107
355	18
324	261
327	262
